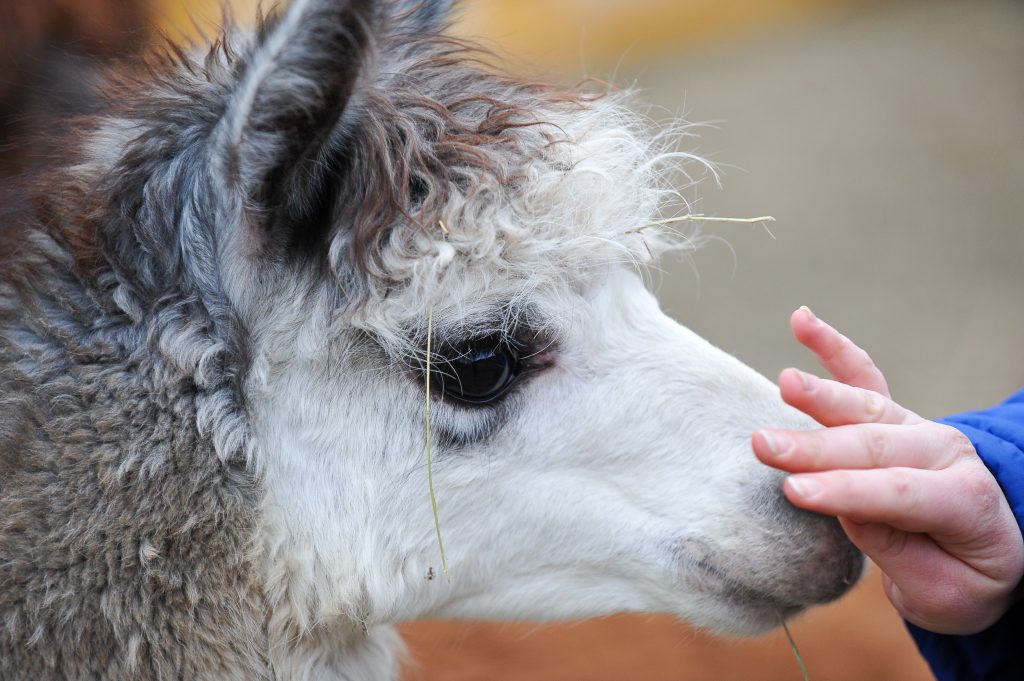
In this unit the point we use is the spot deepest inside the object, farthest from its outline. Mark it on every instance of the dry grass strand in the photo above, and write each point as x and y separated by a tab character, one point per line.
430	458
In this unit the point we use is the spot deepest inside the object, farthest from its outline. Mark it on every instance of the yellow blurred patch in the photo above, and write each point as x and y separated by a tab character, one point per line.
597	33
193	18
562	34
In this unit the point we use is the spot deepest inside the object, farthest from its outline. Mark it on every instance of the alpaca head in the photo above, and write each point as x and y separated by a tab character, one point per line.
347	178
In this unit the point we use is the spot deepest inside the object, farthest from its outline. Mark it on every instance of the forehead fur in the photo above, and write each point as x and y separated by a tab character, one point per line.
444	180
558	199
524	187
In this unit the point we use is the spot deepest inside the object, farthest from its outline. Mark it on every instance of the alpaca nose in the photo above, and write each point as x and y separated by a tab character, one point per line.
839	563
826	562
812	559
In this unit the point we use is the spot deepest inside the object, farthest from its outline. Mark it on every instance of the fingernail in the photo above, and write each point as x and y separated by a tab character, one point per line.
779	444
805	488
810	315
806	380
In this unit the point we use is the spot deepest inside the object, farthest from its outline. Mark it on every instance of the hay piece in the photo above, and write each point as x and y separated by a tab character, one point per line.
430	459
699	217
796	652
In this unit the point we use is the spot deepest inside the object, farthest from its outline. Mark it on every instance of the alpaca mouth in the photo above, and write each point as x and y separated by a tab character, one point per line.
737	593
699	568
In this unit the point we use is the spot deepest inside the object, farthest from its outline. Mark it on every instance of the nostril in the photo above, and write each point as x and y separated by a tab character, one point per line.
857	561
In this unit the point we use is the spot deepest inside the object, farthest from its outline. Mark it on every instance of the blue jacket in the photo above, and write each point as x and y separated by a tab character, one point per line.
996	654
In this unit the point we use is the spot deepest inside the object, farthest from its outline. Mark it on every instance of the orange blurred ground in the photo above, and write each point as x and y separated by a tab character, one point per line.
859	639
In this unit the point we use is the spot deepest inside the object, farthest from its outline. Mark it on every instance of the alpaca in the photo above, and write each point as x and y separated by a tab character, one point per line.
213	371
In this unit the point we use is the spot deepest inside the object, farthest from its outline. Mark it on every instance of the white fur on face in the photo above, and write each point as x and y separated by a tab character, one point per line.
617	478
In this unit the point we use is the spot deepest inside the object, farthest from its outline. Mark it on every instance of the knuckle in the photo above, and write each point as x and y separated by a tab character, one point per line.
837	348
957	444
814	448
902	484
891	542
983	492
874	406
831	397
862	360
879	448
905	417
905	492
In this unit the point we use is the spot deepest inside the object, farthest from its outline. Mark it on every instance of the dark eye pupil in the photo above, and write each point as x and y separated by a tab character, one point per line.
480	373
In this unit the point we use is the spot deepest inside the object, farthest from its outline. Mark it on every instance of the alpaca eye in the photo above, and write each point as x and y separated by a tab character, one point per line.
479	373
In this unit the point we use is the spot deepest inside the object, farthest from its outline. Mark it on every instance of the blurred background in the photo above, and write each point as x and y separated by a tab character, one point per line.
887	138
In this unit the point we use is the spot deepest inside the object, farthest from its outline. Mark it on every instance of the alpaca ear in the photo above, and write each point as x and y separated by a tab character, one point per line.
422	16
292	94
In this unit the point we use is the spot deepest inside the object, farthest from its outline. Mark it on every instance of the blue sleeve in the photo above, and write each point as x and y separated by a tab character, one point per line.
996	654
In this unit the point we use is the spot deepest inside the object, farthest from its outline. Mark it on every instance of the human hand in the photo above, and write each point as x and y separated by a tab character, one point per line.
911	493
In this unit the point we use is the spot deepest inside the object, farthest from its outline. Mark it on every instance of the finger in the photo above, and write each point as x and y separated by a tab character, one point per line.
911	560
858	447
909	499
928	586
894	551
831	403
845	361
